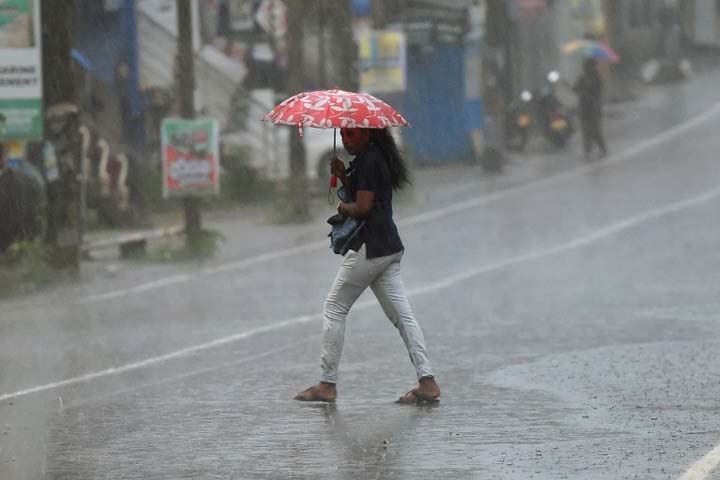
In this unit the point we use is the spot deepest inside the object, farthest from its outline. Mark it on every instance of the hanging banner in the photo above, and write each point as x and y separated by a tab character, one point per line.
382	61
21	116
190	154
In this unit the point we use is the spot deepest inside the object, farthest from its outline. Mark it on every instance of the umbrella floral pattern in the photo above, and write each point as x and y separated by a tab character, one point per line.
336	109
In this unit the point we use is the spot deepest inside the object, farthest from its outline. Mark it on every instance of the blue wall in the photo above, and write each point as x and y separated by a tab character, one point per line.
435	106
100	37
104	38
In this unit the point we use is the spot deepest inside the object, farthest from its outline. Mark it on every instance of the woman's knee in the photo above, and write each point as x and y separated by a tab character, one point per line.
401	315
335	308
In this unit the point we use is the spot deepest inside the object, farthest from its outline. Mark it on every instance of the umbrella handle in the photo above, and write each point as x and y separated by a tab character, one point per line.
333	178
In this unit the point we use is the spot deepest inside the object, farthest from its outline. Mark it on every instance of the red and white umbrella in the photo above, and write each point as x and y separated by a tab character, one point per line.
335	109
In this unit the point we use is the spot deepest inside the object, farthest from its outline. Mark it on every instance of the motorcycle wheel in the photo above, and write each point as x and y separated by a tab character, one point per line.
559	139
517	140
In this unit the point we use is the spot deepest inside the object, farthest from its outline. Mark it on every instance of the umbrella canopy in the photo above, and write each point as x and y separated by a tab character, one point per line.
335	109
591	48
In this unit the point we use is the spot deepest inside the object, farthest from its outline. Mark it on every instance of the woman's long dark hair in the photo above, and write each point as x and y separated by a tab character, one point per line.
399	174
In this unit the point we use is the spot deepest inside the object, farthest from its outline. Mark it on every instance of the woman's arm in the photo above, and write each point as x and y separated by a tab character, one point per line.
361	207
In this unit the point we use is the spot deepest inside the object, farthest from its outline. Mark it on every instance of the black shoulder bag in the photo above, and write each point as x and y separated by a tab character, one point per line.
344	229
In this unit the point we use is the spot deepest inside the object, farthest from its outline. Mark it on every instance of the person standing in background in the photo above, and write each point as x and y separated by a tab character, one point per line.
589	88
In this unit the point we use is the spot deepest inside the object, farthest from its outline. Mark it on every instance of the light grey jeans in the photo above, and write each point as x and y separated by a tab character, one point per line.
382	275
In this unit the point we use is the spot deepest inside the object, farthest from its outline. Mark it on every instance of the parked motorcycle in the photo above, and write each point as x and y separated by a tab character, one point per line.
544	113
518	122
554	116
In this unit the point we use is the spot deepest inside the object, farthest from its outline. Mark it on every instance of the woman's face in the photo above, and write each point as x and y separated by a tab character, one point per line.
355	140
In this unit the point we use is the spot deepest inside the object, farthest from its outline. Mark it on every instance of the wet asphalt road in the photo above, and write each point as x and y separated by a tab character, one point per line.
571	317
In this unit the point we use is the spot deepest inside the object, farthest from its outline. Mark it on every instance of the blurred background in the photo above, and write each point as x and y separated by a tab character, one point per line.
455	68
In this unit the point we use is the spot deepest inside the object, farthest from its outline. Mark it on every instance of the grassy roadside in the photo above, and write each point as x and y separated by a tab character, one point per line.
24	268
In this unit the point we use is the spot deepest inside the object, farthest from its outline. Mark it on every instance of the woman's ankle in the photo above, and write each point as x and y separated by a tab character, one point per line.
428	385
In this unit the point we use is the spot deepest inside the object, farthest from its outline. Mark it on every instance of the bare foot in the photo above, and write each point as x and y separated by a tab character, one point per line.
322	392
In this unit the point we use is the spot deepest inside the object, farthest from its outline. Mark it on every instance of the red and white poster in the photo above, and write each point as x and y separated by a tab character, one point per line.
190	154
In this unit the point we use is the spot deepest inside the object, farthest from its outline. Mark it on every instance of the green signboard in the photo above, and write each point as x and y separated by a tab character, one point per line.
21	116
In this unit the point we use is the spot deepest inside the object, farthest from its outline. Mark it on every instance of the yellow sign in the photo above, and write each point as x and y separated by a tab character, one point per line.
382	61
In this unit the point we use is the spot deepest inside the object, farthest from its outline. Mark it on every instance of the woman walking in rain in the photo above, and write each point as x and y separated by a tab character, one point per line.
589	87
372	261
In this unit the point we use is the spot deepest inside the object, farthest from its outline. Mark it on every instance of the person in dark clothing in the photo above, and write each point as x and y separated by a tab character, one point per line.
122	88
20	196
589	87
372	261
224	25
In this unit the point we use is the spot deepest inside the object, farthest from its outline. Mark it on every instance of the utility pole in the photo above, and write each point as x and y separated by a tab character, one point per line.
342	52
345	51
379	18
497	81
612	11
297	183
321	14
336	44
499	36
64	228
186	93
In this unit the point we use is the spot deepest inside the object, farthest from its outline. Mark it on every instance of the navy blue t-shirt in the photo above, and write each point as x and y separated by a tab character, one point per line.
369	171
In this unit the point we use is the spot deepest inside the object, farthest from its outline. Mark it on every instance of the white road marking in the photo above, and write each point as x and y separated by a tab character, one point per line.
578	242
159	359
191	373
138	289
703	467
428	216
